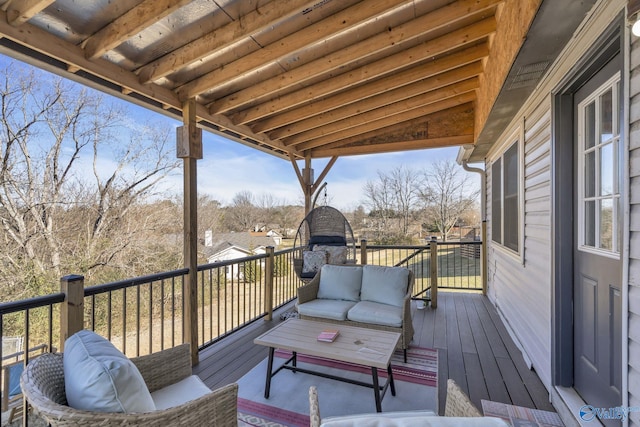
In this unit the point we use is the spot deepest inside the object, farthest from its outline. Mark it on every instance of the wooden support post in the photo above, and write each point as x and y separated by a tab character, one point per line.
483	258
363	252
307	173
433	263
268	283
72	309
189	148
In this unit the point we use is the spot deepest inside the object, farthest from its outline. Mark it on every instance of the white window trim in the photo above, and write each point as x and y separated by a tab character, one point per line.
581	232
515	137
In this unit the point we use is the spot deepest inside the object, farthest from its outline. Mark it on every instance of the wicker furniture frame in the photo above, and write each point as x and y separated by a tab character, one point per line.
43	385
309	292
457	404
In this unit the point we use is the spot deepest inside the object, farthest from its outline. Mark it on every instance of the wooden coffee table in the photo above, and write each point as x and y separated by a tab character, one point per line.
362	346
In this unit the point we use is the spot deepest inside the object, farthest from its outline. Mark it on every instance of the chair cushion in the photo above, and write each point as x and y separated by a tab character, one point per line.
179	393
312	261
340	282
326	308
424	420
99	378
324	240
387	418
376	313
387	285
335	254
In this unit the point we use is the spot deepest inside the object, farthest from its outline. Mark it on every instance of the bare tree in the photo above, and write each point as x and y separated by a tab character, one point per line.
379	198
447	193
405	185
242	214
61	203
392	201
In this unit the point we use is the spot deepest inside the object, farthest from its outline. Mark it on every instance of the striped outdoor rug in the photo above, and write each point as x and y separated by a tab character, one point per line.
288	405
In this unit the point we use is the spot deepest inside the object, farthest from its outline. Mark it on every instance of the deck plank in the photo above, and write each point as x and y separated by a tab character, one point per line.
474	348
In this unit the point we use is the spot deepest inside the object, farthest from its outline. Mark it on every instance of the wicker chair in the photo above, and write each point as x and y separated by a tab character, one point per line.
457	405
323	225
43	385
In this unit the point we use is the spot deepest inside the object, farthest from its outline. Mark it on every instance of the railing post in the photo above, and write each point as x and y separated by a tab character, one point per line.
433	245
268	283
363	252
72	309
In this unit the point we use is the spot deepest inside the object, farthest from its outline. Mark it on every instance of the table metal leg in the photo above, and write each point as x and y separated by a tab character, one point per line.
295	360
267	386
376	389
391	383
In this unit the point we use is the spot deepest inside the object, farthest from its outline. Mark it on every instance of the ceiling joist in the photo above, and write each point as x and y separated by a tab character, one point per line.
294	78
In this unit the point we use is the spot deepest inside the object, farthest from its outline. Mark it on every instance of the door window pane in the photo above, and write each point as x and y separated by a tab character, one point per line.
606	116
606	170
590	223
590	125
606	224
590	174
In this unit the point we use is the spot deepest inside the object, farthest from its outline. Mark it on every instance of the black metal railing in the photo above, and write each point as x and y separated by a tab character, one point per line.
146	314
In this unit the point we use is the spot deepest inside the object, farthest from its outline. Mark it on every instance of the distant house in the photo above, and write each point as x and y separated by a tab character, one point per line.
228	246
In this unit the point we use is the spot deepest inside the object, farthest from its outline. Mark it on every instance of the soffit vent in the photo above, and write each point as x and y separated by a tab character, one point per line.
528	75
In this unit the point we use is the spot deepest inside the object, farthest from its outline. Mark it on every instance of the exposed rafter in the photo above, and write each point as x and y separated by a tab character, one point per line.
295	78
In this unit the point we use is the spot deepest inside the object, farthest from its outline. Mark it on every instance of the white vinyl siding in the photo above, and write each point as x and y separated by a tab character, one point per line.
523	295
634	232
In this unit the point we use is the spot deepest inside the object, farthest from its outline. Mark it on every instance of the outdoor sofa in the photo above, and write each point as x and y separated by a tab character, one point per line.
369	296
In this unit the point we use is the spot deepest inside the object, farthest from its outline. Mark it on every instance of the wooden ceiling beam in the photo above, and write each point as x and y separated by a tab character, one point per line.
457	120
430	23
389	120
315	137
395	146
391	64
437	87
313	34
40	41
413	74
129	24
20	12
255	21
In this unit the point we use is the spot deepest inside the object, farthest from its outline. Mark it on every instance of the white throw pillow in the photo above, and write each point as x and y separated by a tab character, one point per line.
340	282
386	285
336	254
99	378
312	261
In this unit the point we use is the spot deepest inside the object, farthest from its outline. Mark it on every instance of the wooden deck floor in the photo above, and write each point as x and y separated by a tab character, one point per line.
473	345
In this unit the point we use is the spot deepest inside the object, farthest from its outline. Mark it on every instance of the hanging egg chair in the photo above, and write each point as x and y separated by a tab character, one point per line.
323	237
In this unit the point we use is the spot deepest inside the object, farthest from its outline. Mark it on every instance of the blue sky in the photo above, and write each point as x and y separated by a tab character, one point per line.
229	167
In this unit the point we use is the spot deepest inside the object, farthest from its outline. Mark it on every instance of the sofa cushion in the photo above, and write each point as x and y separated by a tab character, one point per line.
387	285
340	282
376	313
326	308
335	254
99	378
190	388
